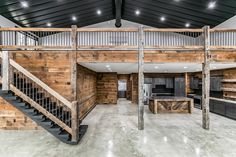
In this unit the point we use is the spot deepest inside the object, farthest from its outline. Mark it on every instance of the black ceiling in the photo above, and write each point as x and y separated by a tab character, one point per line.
176	12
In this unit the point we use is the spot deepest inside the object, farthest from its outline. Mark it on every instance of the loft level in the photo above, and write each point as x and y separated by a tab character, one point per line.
115	39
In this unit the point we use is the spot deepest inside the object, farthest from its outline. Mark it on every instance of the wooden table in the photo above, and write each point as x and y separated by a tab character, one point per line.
170	104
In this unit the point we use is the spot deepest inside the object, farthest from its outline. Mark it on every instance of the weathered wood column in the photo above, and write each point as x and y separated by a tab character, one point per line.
206	79
5	71
140	79
74	121
73	61
75	106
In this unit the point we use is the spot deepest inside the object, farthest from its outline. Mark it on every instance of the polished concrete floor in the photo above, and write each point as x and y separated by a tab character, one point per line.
113	133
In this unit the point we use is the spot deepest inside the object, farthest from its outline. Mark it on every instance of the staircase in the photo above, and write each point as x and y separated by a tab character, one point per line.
43	105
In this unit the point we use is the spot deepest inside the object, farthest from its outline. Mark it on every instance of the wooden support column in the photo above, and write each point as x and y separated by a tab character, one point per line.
73	61
140	79
74	121
5	71
186	83
206	79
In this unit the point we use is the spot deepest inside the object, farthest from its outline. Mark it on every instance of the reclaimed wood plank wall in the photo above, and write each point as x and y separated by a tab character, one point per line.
12	119
86	90
230	74
107	88
134	91
51	68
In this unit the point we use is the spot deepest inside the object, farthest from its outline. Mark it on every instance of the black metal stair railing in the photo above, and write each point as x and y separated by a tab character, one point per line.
44	105
42	97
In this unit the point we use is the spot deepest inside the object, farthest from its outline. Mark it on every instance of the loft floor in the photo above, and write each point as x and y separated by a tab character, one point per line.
113	133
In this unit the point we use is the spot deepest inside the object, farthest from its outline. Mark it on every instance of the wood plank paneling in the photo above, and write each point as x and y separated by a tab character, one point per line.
12	119
51	68
134	84
229	74
107	88
86	90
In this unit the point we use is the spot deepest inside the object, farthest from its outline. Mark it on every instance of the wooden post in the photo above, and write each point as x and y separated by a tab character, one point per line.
5	71
73	61
74	121
186	83
206	79
140	80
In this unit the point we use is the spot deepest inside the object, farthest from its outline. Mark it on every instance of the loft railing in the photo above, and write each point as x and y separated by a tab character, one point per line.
39	95
113	38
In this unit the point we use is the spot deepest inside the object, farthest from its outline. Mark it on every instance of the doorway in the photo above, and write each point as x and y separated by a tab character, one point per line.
122	89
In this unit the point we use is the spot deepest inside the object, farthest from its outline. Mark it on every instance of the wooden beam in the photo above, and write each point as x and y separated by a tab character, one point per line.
73	61
140	79
5	71
206	80
186	83
74	121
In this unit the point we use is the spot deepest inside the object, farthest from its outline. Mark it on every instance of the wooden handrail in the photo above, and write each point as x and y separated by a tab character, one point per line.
36	29
107	30
40	83
222	30
171	30
114	29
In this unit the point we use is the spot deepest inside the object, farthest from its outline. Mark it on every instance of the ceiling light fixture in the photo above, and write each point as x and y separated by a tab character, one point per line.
162	18
187	25
108	66
99	12
24	4
74	18
212	5
137	12
49	24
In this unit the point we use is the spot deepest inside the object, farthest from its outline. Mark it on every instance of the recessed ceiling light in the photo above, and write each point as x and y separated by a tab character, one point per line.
49	24
162	18
137	12
24	4
212	5
99	12
74	18
187	25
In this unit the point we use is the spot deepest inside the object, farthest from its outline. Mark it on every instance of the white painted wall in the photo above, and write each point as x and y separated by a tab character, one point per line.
111	24
230	23
6	23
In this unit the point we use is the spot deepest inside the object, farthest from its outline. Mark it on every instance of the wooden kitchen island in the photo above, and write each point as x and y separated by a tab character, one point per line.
170	104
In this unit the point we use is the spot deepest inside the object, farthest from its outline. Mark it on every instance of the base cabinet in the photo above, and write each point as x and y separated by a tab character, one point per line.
221	107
